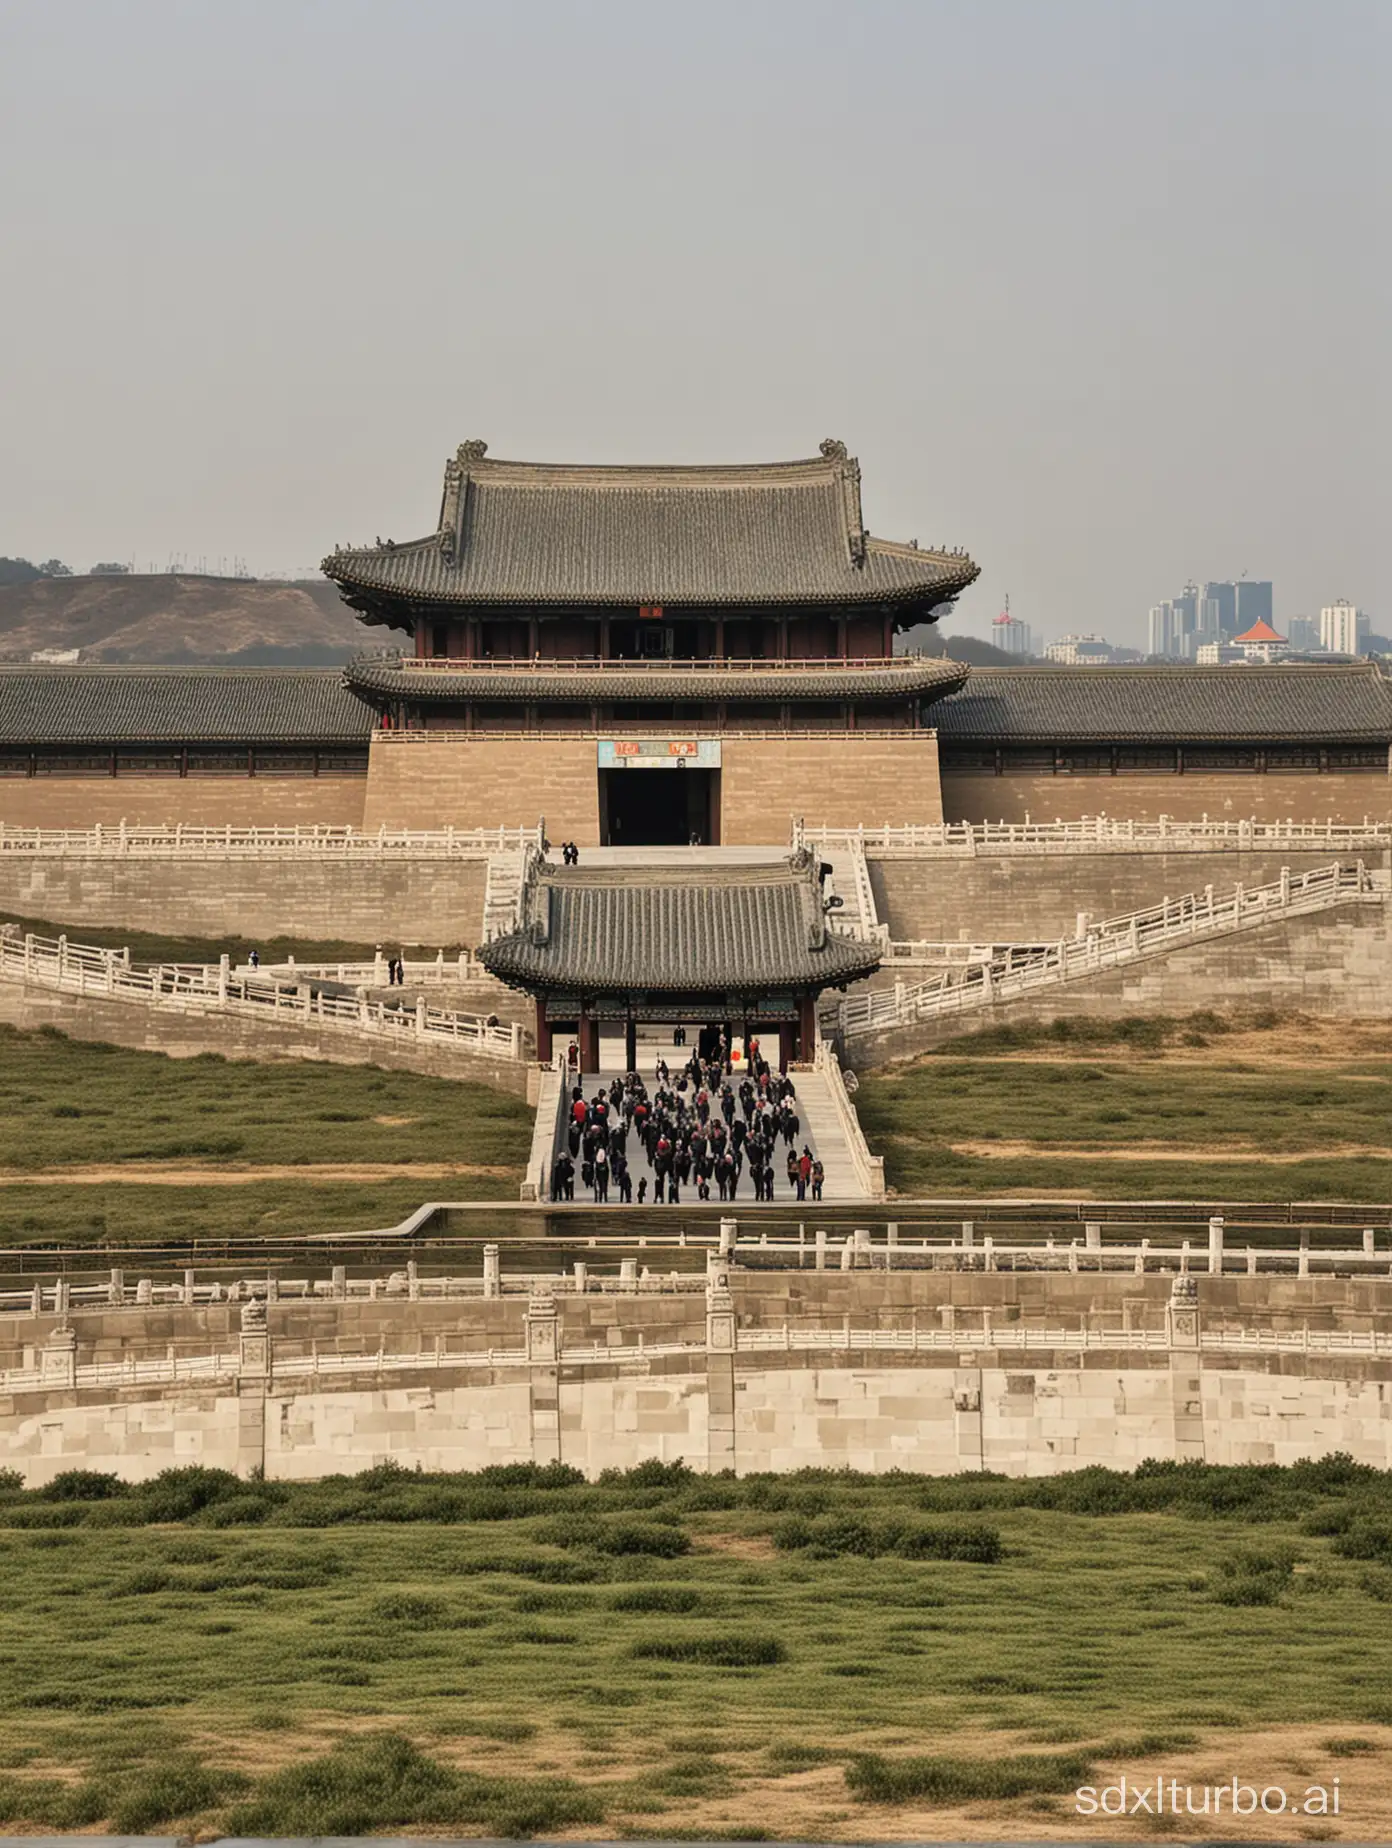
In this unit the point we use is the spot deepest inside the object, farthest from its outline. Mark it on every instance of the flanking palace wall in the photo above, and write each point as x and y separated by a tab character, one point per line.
1246	794
424	780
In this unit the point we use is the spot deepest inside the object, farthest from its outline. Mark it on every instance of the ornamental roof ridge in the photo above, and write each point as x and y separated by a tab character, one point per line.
503	471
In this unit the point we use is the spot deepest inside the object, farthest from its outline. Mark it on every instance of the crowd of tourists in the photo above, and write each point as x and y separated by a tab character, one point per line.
705	1129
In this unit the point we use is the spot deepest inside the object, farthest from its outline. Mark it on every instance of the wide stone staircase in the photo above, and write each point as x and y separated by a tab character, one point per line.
827	1125
294	1002
974	978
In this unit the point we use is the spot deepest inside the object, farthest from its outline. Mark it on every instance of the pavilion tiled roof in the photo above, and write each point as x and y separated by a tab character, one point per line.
1118	704
916	677
720	929
542	533
179	705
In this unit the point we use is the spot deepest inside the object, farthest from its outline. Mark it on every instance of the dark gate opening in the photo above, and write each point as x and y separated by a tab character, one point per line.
659	808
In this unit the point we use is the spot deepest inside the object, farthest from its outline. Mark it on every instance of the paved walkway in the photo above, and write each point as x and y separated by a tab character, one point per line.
819	1129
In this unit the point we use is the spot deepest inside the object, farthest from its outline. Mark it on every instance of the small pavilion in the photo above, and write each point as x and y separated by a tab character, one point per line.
746	948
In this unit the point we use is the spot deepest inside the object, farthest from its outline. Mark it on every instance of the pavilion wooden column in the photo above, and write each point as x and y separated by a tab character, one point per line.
543	1034
720	635
533	637
807	1028
631	1044
787	1044
589	1042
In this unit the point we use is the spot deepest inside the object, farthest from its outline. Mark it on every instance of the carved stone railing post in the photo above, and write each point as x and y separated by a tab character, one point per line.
253	1379
1182	1313
543	1348
722	1338
58	1360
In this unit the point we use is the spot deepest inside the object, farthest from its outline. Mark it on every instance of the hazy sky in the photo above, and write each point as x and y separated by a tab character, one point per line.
1098	289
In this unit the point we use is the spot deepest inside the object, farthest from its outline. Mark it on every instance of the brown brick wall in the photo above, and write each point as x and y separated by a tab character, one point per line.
834	780
198	801
1028	898
765	781
1184	798
366	901
485	782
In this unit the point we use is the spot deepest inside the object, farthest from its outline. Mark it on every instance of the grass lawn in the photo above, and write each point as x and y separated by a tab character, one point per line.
103	1143
666	1654
1208	1107
151	947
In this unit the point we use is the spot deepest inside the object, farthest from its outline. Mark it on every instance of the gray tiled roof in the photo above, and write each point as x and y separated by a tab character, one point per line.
907	677
180	705
537	533
1110	704
745	929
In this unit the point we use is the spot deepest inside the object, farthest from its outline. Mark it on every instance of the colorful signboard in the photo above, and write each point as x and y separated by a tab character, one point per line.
659	753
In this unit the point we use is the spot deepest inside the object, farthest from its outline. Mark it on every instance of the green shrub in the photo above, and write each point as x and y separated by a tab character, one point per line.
369	1785
238	1511
84	1485
655	1539
872	1778
1365	1539
170	1792
142	1583
835	1535
733	1651
672	1599
652	1473
176	1494
51	1803
410	1608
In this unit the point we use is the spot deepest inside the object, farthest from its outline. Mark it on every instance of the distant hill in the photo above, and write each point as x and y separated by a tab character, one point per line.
181	618
926	637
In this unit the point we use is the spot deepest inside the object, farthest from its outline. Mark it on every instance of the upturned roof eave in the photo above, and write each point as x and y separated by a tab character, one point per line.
942	590
913	679
590	982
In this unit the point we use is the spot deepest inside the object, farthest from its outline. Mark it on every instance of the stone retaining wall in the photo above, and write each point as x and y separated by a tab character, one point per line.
1335	964
1336	796
197	801
430	902
1036	897
184	1034
687	1379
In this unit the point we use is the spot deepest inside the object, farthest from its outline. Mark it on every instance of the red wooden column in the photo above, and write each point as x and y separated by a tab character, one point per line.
787	1044
589	1043
543	1034
806	1028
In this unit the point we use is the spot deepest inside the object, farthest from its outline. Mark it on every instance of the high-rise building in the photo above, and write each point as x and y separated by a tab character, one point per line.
1251	603
1203	615
1010	634
1160	631
1343	628
1217	611
1303	633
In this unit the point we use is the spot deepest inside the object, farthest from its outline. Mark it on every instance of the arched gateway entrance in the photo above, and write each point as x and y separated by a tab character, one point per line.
740	949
